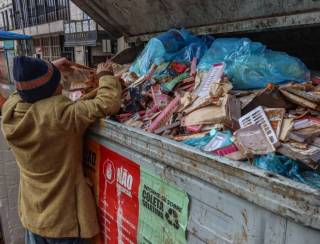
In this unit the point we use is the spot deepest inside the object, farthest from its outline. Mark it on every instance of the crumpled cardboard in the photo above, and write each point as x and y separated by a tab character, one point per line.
309	156
286	127
76	77
252	140
275	116
201	102
300	101
217	91
220	88
185	101
228	112
269	97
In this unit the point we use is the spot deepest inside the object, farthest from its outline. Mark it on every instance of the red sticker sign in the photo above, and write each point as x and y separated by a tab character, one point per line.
119	182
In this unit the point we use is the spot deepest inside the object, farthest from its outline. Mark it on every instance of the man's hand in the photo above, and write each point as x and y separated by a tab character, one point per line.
61	63
104	69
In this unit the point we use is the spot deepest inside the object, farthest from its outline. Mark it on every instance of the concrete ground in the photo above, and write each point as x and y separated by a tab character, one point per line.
12	230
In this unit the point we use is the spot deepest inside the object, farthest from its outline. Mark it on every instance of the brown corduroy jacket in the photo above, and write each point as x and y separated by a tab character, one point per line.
46	138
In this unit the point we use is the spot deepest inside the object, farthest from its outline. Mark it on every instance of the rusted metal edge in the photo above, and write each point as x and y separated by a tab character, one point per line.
280	195
251	25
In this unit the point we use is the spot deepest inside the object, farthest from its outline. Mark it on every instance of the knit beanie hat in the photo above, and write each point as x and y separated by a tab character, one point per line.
34	78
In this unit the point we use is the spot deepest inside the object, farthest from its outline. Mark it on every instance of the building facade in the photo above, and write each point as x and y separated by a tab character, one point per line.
44	20
59	29
6	15
90	42
6	47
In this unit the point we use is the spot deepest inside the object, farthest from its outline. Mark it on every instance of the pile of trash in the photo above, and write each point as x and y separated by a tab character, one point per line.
229	97
78	80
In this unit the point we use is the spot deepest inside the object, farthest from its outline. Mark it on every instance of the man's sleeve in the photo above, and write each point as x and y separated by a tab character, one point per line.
79	115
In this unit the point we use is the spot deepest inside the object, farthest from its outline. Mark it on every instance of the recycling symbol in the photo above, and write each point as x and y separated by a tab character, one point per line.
172	218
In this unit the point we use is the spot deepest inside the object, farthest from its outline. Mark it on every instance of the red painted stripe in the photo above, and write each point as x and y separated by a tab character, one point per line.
29	85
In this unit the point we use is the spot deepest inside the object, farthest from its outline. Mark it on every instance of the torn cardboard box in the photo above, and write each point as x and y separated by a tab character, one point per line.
275	116
201	102
300	101
76	77
308	95
309	157
305	135
270	97
286	127
227	113
219	89
252	140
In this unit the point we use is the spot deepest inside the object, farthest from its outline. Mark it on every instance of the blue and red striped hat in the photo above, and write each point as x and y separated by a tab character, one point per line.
35	79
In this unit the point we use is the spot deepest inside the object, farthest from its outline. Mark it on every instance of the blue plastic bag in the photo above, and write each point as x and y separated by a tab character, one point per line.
198	142
186	54
201	141
250	65
287	167
207	39
311	178
173	45
271	162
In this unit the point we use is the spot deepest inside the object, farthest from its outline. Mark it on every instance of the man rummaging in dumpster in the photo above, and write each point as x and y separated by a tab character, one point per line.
45	133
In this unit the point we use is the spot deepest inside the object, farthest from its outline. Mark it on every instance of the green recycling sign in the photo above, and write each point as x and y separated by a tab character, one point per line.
163	211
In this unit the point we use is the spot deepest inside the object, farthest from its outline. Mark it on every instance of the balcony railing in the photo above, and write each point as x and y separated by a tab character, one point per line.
77	26
80	32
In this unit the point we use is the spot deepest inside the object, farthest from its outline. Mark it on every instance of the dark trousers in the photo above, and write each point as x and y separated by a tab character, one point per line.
31	238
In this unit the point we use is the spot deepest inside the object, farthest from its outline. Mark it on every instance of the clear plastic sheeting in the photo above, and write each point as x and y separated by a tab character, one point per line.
173	45
250	65
287	167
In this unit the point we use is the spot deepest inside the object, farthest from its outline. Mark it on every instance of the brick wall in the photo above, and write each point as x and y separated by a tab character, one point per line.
12	230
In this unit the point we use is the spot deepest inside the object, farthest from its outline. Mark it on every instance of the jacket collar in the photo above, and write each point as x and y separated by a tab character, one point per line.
22	107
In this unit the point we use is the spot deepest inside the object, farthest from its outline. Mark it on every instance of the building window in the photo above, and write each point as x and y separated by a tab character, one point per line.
79	26
85	16
85	25
7	20
12	19
67	28
41	11
56	48
50	47
72	27
2	23
92	25
68	52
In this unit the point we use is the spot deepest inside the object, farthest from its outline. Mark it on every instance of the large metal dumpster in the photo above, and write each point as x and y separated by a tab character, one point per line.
230	202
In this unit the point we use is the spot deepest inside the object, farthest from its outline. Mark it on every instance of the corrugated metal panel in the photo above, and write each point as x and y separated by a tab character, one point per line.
277	194
136	17
229	202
